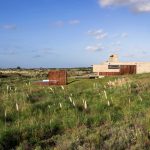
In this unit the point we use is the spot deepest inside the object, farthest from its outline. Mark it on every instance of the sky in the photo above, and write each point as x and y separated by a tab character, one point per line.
72	33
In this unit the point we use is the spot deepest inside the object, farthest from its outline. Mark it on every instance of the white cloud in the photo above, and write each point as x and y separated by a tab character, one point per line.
98	34
59	23
138	54
142	7
130	55
136	5
74	22
117	43
105	3
118	49
120	35
124	35
9	26
95	48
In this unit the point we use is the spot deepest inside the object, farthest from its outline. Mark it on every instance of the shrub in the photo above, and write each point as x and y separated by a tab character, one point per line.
10	139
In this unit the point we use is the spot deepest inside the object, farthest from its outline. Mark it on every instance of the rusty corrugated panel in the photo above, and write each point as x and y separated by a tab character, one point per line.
127	69
57	77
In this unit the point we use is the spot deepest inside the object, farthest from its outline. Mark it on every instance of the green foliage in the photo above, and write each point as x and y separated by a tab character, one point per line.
85	114
9	139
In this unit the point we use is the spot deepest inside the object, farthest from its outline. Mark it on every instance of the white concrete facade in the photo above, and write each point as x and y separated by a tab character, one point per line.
141	67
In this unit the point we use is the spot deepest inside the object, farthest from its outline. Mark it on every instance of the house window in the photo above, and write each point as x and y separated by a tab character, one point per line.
113	66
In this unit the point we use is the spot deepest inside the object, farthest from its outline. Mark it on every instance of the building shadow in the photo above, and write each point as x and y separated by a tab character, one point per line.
70	82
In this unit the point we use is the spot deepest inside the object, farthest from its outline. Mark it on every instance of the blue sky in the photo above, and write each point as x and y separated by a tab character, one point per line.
72	33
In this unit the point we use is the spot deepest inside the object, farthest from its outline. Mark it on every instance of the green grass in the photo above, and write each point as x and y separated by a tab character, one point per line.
116	117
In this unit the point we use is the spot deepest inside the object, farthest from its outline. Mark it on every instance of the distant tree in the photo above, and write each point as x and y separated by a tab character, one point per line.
18	67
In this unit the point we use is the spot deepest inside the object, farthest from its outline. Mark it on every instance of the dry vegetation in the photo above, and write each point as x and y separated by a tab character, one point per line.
108	113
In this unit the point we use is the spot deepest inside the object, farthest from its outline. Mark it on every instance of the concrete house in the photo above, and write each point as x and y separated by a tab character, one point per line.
114	67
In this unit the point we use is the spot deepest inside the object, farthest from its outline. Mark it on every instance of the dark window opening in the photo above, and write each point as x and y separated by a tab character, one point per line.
113	67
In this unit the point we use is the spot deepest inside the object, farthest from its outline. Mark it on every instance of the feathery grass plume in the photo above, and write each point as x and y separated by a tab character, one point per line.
140	98
83	101
17	107
7	88
85	105
60	105
110	84
27	95
129	100
105	94
113	84
115	81
51	89
119	82
70	99
62	87
73	103
129	85
5	113
15	89
108	103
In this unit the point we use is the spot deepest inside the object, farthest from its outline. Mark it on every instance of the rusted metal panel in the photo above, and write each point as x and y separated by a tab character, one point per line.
57	77
127	69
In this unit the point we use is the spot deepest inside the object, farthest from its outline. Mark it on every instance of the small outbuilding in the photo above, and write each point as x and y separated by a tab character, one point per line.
57	77
114	67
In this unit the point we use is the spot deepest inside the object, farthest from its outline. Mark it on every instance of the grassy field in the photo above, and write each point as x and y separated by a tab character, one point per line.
109	113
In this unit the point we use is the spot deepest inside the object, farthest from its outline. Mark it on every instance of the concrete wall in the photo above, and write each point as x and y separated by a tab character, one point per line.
103	68
142	67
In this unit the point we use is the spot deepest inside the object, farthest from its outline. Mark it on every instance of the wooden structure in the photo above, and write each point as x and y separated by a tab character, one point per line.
57	77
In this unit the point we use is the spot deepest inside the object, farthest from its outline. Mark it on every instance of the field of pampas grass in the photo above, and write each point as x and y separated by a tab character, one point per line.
108	113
